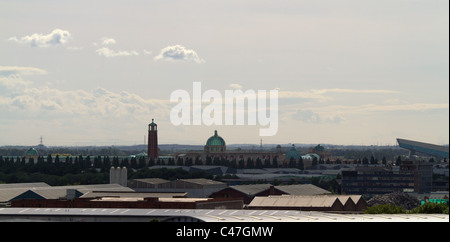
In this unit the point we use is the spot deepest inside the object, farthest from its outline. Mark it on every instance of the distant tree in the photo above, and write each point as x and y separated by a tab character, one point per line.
250	163
233	163
87	162
259	164
198	162
97	162
365	161
301	165
180	161
275	162
314	161
57	161
241	164
133	162
398	161
151	162
208	160
188	162
115	162
384	161
106	162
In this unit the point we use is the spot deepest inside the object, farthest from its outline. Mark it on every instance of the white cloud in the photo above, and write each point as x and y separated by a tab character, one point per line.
235	86
309	116
108	41
320	95
98	102
20	70
54	38
340	90
10	85
178	53
107	52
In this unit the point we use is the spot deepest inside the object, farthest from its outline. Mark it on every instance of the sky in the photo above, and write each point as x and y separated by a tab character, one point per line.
347	72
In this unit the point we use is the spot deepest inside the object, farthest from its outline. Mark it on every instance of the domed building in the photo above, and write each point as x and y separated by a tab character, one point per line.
31	153
321	152
293	153
215	149
215	144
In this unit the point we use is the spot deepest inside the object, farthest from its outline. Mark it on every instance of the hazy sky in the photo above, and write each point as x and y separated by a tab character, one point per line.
347	71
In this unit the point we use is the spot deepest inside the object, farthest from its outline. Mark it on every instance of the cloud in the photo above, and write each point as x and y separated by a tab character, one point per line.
20	70
235	86
178	53
340	90
56	37
12	84
74	103
107	52
320	94
108	41
309	116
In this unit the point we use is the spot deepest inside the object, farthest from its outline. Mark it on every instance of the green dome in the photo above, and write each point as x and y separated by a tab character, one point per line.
293	153
215	140
319	148
31	152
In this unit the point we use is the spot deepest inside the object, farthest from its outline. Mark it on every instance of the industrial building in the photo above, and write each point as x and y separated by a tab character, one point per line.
41	190
248	192
131	202
194	187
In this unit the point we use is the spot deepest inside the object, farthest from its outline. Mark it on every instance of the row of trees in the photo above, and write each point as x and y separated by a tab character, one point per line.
77	164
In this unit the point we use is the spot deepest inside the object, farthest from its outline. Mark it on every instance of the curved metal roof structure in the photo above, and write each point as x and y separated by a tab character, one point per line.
430	149
203	215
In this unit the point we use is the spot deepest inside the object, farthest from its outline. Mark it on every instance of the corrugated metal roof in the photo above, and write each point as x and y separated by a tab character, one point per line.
133	194
293	201
202	181
219	215
55	192
153	180
24	185
251	189
302	189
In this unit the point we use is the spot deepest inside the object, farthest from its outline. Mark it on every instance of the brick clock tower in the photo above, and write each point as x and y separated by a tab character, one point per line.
152	140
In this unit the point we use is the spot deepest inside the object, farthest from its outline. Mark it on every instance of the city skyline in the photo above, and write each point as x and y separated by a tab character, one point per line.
347	72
